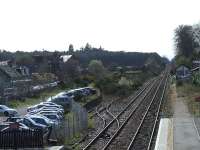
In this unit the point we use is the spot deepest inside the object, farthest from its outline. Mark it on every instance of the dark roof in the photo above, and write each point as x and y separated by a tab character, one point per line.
12	73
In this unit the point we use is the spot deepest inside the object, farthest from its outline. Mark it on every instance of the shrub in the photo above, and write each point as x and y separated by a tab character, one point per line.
179	83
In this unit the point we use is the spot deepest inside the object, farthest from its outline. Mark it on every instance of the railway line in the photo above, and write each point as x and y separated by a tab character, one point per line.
125	129
113	125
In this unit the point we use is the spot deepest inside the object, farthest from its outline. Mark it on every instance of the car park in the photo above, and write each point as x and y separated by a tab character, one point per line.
7	111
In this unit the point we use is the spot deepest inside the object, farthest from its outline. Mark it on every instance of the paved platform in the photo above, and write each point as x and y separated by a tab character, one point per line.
185	133
165	135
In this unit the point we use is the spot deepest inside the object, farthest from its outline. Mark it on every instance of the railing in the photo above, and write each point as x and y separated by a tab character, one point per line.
14	139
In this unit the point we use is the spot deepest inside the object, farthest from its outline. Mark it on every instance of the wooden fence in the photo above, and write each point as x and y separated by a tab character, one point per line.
14	139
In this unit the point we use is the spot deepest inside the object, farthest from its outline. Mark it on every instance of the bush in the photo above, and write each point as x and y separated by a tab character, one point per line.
123	90
179	83
196	79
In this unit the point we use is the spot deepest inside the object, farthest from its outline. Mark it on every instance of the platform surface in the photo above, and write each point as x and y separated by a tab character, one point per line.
185	133
165	135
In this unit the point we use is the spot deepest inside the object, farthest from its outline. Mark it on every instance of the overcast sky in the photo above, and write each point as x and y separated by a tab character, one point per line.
130	25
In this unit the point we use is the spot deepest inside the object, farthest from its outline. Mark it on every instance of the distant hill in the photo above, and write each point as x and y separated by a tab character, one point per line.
110	59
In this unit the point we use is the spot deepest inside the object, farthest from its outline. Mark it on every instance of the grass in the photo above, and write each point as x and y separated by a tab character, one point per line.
134	72
189	92
71	142
90	121
167	109
31	101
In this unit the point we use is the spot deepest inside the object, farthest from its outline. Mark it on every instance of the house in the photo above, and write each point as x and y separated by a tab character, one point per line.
65	58
8	74
10	77
23	70
183	72
69	67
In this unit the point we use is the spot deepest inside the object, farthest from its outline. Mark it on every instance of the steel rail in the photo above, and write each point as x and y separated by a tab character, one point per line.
127	106
130	97
127	119
157	114
112	115
141	123
102	118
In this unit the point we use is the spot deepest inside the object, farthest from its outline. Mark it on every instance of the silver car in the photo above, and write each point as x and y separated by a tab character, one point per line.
7	111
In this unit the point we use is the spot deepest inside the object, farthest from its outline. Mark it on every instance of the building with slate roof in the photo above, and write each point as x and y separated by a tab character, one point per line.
11	77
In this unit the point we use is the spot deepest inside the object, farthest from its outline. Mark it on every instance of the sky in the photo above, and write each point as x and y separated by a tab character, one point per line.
117	25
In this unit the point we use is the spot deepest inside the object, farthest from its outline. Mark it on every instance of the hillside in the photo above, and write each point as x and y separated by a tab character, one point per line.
110	59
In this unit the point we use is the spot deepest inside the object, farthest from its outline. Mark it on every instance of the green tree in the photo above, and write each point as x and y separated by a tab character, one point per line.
182	60
88	47
184	40
71	49
96	68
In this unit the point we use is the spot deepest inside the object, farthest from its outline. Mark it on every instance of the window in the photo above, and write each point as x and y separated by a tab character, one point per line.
39	120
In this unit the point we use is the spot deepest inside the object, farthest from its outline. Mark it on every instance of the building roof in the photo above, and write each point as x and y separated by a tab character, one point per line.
65	58
12	73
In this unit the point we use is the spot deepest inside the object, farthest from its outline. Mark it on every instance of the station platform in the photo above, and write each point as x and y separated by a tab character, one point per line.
165	135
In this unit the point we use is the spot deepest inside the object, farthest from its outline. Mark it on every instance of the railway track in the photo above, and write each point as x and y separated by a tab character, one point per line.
104	114
103	137
137	132
130	128
115	106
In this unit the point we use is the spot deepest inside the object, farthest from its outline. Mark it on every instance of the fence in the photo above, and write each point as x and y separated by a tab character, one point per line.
14	139
74	123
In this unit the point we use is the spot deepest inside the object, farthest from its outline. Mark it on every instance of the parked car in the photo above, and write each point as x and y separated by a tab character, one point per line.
41	120
75	93
46	110
60	116
90	90
7	111
53	117
13	119
33	125
39	106
80	92
61	112
51	103
54	84
62	100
